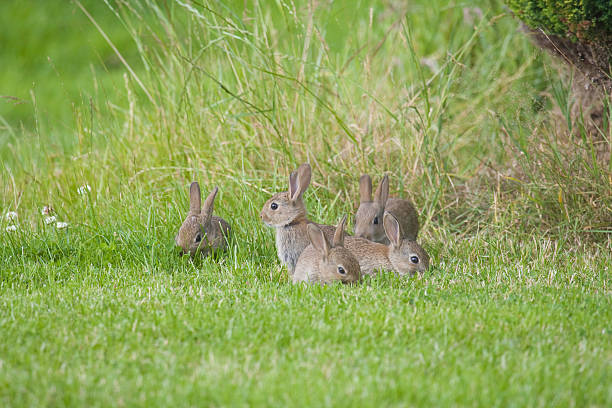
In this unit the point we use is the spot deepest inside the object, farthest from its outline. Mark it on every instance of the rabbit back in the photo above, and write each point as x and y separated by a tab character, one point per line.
372	256
307	265
219	233
407	216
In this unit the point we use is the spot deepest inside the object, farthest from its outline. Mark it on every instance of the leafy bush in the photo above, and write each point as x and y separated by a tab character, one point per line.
579	33
581	19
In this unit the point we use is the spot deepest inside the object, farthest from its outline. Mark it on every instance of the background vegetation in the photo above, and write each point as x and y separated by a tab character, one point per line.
137	98
579	34
591	19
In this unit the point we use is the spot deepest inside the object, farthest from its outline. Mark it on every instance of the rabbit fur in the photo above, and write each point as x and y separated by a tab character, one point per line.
202	232
368	220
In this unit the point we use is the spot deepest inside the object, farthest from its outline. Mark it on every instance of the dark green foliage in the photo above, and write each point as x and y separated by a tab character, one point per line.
579	33
588	19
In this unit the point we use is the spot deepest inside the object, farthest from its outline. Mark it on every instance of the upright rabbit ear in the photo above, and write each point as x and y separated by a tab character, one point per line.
382	192
299	181
195	200
209	203
318	240
392	229
365	189
339	233
293	186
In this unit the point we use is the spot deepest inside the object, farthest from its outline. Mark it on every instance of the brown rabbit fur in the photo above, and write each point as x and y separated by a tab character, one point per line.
286	212
403	256
202	231
368	220
323	263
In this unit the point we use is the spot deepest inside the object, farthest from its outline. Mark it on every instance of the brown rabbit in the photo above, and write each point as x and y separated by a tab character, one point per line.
403	256
287	213
202	231
368	220
323	263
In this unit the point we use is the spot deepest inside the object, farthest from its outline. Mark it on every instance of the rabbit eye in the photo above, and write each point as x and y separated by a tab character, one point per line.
274	206
198	238
375	220
414	259
341	270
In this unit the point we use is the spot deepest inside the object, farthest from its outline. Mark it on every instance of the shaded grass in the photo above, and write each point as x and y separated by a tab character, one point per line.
55	64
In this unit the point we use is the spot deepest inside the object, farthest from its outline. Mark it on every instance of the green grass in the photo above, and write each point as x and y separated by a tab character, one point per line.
54	60
515	214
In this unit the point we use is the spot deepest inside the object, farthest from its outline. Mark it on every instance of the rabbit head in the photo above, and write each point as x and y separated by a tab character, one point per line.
191	236
406	256
369	217
336	263
288	208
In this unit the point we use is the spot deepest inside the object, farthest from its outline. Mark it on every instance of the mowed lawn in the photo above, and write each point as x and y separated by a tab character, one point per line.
449	99
487	327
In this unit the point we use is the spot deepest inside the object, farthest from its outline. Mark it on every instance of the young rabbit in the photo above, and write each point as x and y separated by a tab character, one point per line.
286	212
368	220
403	256
202	231
323	263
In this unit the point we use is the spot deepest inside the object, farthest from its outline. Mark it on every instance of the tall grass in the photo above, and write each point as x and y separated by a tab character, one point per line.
238	95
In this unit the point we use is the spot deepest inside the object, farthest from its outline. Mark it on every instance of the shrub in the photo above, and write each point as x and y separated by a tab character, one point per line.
585	20
578	32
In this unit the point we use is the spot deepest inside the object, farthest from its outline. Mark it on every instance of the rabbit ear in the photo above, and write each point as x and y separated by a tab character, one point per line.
392	229
293	186
209	203
318	240
382	192
195	200
299	181
365	188
339	234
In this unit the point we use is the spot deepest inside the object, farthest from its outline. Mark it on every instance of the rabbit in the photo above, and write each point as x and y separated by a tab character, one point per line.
403	256
286	212
370	213
202	231
323	263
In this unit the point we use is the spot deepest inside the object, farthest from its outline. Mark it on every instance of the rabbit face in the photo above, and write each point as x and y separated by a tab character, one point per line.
339	265
406	256
369	221
280	210
288	207
409	258
369	217
335	263
192	235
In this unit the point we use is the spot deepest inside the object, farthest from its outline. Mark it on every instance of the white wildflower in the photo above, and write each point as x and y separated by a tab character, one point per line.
11	228
84	189
50	220
11	215
61	225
